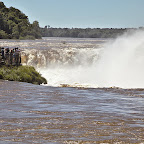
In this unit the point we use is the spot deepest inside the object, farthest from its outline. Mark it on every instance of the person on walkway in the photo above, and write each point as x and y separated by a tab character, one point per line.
7	56
11	57
16	57
2	51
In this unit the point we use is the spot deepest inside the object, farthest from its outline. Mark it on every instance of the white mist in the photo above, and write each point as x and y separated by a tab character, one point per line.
120	64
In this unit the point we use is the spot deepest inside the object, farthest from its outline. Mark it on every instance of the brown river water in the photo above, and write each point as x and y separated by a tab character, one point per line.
52	114
42	114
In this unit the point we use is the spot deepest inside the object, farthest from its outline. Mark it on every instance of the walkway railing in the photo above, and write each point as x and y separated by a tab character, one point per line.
10	56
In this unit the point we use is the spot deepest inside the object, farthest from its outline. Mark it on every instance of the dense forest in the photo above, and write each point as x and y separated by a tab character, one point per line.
15	25
82	33
48	31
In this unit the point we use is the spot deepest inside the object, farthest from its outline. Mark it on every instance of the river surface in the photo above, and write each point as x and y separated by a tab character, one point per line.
42	114
64	113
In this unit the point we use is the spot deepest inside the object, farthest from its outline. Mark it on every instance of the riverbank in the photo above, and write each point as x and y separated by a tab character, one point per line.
22	74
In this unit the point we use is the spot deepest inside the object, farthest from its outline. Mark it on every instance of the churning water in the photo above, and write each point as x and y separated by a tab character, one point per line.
118	63
88	62
80	115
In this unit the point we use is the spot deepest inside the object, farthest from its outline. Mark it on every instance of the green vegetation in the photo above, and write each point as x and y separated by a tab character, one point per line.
82	33
48	31
15	25
22	74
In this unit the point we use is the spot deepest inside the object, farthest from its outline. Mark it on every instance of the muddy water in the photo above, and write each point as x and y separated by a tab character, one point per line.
41	114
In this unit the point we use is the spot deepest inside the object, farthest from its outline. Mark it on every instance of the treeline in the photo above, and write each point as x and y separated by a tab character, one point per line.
15	25
82	33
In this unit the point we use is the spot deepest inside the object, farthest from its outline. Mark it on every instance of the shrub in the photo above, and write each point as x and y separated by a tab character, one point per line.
22	74
3	34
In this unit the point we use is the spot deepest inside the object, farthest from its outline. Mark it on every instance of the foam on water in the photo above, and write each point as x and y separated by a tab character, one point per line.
120	64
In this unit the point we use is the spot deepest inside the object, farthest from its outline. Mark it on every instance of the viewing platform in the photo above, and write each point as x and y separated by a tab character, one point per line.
10	57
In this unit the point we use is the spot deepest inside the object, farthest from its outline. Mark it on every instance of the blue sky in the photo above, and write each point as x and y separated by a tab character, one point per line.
82	13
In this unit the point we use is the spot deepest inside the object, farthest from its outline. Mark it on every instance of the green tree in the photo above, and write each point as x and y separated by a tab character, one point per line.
3	34
15	24
36	30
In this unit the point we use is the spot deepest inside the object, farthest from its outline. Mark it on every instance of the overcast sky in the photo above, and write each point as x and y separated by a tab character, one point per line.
82	13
